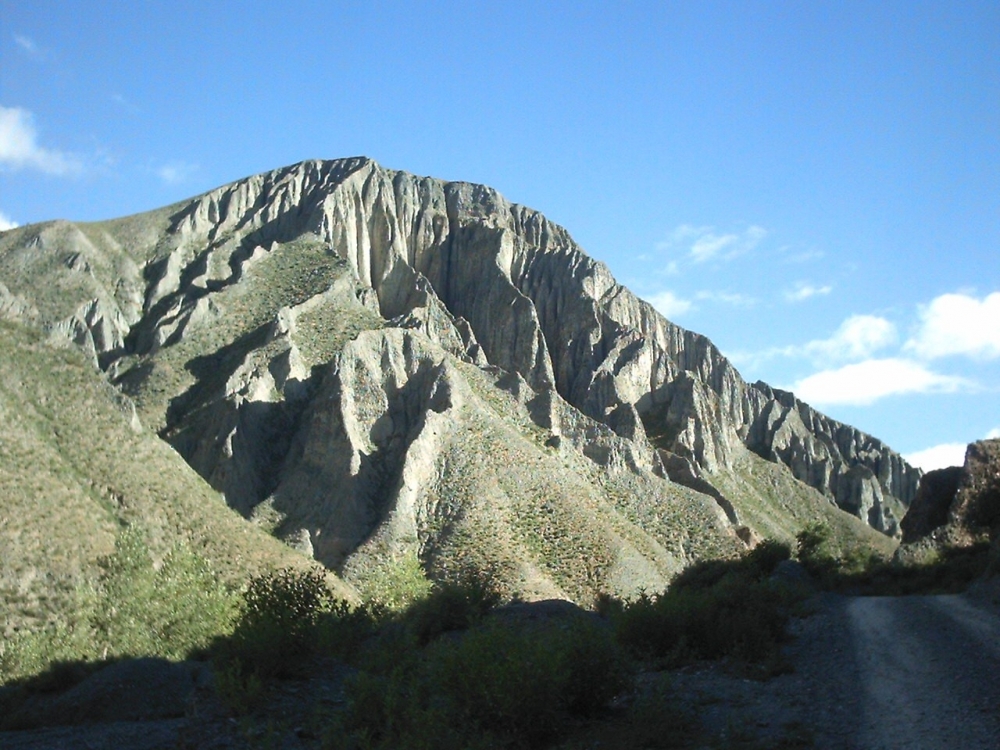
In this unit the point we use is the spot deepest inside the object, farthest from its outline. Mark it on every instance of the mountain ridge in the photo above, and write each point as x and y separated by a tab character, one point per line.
255	326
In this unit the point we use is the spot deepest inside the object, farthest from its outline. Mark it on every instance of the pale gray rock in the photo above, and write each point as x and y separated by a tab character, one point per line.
459	276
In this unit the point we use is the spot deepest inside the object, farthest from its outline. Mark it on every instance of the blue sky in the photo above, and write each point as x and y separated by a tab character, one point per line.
815	186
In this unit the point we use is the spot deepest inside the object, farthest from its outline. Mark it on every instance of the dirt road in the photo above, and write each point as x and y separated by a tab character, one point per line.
868	673
902	672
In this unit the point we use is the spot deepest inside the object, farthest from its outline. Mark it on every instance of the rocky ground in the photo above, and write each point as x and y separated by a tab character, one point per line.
862	673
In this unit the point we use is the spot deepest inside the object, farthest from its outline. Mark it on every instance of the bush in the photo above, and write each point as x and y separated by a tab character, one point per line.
291	599
170	612
135	609
449	607
743	620
497	685
46	656
713	609
756	565
858	571
767	555
812	548
277	626
394	583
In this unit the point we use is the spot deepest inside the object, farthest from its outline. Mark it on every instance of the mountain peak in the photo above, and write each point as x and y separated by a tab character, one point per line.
367	357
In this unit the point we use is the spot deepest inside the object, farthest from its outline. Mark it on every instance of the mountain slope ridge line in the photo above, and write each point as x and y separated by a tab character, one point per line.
162	301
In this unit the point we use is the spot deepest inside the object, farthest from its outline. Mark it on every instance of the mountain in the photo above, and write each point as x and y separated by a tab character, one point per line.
399	375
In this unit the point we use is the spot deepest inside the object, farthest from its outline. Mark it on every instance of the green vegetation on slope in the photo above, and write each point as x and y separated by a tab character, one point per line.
74	470
133	609
777	506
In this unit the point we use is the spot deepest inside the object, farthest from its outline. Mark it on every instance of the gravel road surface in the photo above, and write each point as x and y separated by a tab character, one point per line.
868	673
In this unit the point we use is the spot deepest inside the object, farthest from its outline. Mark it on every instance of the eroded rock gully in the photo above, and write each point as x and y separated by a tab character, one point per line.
504	281
440	275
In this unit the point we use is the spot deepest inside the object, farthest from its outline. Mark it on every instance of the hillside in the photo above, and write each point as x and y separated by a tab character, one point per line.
391	374
76	467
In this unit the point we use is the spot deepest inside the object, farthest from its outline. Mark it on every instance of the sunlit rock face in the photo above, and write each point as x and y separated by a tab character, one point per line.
320	339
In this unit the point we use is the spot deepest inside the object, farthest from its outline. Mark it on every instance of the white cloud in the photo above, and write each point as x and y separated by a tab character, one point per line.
703	243
792	255
6	223
18	147
957	324
176	172
709	245
755	233
804	290
26	43
671	269
669	304
730	298
938	456
858	337
994	433
866	382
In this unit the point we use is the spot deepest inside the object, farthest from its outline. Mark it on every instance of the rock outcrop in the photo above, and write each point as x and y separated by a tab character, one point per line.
929	509
977	502
496	280
313	339
964	499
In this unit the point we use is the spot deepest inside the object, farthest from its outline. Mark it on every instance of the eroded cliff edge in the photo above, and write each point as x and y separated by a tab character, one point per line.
341	247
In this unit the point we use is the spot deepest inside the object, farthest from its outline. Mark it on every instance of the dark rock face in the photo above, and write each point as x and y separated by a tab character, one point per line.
133	690
977	502
929	509
964	497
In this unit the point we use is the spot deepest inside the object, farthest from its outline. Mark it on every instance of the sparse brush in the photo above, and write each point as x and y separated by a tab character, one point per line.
449	607
859	571
714	609
276	630
497	685
135	609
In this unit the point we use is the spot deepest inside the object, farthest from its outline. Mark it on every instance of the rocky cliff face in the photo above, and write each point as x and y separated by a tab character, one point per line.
303	337
961	500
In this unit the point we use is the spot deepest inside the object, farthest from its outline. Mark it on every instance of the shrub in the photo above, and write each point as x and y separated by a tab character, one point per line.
767	555
44	654
135	609
811	548
498	684
739	619
449	607
342	629
291	599
170	612
394	583
277	626
713	609
861	572
756	565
